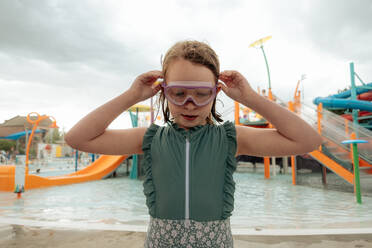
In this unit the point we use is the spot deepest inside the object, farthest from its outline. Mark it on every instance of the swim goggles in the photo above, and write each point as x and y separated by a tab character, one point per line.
180	92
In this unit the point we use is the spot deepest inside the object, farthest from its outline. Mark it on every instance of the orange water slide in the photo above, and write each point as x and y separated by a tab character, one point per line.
337	168
99	169
333	166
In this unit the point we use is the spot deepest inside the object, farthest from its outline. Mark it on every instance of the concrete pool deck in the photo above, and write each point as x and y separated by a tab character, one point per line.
30	236
27	233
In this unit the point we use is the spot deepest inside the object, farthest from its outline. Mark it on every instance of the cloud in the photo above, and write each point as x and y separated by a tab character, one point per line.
340	28
64	34
68	57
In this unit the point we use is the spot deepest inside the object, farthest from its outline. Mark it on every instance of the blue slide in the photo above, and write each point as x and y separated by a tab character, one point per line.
339	101
15	136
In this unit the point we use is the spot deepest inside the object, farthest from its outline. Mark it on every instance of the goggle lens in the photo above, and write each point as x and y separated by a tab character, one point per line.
180	94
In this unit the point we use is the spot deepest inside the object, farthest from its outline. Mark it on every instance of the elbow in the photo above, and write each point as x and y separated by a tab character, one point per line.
69	139
318	140
315	141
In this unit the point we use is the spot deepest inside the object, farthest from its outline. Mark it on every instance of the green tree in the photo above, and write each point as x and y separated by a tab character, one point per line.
7	145
53	135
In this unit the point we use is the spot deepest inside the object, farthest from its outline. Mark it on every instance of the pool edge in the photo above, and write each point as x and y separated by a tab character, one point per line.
143	228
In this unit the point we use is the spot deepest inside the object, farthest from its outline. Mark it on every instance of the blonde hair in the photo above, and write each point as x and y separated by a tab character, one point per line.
198	53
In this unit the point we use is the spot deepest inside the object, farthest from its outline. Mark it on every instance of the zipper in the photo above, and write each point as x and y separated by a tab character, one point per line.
187	180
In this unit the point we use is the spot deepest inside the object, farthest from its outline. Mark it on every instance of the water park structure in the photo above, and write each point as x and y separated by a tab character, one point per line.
335	153
17	178
357	99
340	152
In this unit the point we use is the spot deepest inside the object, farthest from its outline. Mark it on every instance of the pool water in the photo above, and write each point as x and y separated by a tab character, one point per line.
259	203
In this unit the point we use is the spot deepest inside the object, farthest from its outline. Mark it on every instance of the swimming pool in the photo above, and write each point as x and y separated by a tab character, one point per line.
259	204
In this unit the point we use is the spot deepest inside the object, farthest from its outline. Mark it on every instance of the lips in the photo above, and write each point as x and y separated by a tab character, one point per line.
189	117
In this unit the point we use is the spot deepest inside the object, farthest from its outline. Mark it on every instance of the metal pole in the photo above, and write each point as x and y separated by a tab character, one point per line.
26	138
353	92
236	113
356	170
267	66
293	164
285	165
356	173
267	167
133	172
76	159
273	159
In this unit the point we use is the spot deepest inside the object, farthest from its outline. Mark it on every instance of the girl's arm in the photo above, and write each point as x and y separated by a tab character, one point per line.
90	133
291	135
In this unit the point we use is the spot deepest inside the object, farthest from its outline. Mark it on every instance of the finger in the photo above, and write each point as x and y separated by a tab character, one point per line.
156	86
157	74
223	87
227	73
156	89
152	76
227	81
156	83
224	78
223	75
227	76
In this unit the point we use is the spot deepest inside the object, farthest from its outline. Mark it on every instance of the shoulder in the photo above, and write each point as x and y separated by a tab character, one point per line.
152	129
226	132
227	125
228	128
150	132
154	132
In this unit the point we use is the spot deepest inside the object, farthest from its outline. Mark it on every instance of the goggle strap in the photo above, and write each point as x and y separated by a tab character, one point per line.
189	84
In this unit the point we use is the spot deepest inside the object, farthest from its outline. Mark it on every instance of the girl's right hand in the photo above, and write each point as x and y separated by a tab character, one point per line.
143	86
236	86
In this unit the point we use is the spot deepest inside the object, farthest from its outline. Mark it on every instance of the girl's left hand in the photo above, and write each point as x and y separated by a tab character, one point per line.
236	86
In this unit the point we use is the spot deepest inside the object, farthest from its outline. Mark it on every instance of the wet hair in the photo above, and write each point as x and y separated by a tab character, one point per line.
197	53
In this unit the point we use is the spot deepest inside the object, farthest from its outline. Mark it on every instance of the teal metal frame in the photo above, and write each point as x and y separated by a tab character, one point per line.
354	113
355	143
353	92
267	65
133	171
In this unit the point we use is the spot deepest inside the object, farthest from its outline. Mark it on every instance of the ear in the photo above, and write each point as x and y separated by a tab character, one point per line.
218	89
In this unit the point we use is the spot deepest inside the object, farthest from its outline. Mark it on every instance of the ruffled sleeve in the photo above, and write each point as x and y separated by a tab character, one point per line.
148	184
229	186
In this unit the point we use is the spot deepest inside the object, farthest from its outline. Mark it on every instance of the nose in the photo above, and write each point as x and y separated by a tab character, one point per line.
189	104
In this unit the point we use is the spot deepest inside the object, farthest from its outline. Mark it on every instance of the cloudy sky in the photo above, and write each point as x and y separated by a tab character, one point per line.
64	57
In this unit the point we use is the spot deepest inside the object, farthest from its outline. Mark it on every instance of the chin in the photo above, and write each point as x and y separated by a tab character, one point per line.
187	124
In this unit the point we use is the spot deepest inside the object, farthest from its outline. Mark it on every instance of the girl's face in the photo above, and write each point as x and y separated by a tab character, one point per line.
189	114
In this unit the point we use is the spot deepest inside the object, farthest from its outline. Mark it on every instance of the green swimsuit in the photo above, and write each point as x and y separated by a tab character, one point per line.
189	179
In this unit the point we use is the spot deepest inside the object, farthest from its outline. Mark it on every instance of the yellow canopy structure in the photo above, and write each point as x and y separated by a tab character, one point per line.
140	108
260	41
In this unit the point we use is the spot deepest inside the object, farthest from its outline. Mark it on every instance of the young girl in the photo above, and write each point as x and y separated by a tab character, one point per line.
189	163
